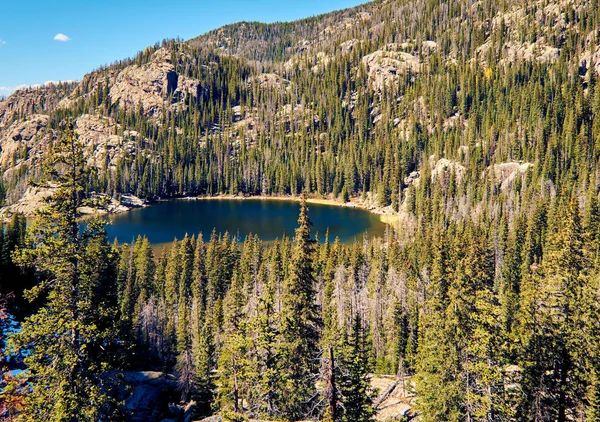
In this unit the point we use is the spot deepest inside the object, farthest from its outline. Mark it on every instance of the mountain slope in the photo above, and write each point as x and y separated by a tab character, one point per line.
364	100
474	122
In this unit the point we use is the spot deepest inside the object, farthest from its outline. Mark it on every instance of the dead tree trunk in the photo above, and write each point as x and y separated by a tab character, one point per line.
332	386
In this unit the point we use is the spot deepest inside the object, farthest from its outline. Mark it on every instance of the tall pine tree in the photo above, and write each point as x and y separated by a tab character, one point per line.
69	342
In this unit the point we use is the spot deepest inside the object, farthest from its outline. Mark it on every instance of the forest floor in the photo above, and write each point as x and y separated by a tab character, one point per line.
399	403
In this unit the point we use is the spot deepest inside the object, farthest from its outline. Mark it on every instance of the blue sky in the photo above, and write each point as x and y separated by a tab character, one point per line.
50	40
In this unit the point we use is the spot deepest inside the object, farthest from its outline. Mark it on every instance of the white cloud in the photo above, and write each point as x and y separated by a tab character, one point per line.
6	89
61	37
2	42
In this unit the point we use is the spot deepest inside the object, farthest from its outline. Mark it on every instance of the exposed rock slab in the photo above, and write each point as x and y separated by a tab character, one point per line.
151	393
32	100
507	173
444	165
385	68
149	87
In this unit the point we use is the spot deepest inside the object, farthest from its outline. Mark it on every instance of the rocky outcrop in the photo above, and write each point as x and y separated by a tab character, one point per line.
541	17
32	200
444	165
103	148
321	61
91	84
590	60
21	140
533	51
26	141
348	46
32	100
218	418
35	198
148	396
269	80
22	148
455	121
335	28
24	145
298	114
507	173
396	398
536	14
514	51
132	201
97	134
153	86
385	68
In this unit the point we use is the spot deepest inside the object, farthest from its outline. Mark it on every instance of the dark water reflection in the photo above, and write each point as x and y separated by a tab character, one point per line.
270	219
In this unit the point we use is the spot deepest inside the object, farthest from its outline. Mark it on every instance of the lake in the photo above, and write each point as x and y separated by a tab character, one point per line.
269	219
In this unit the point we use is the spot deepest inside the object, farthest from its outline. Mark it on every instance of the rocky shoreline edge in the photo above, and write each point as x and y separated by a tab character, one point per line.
34	199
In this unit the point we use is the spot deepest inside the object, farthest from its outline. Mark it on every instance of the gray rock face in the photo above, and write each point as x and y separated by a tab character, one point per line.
212	419
24	144
21	139
153	378
33	100
150	397
385	68
218	418
151	85
132	201
143	399
22	147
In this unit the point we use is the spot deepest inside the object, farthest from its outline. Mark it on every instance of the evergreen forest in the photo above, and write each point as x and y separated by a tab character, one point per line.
475	124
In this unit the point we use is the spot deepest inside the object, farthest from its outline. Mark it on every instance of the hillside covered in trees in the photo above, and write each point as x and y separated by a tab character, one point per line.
475	122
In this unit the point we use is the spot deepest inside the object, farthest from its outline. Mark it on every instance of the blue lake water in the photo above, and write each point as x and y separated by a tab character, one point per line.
269	219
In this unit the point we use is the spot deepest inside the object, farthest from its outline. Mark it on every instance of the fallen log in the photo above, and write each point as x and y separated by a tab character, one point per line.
386	393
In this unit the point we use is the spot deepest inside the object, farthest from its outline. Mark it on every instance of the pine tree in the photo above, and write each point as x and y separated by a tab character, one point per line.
438	372
593	396
71	340
234	365
485	349
203	351
553	320
355	379
171	294
591	335
299	325
266	357
144	274
186	258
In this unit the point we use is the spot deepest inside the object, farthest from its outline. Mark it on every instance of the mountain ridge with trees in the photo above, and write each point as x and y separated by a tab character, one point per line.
475	122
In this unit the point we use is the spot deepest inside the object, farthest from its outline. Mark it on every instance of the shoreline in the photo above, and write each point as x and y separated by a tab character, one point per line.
385	215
